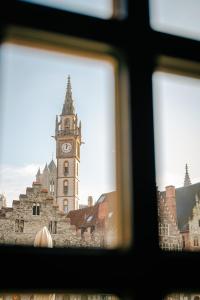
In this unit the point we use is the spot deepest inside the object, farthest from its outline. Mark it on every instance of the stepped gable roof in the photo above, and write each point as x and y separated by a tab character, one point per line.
185	201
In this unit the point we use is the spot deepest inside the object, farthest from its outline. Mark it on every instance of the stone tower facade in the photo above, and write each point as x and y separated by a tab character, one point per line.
68	142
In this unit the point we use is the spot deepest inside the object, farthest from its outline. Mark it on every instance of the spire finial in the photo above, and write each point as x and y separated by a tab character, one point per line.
187	180
68	107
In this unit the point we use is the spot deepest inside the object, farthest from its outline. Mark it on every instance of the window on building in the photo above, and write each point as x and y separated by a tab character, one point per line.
163	229
176	162
67	123
141	62
65	206
17	225
52	187
183	238
196	242
34	209
101	9
52	227
199	223
77	187
66	168
38	209
65	187
21	225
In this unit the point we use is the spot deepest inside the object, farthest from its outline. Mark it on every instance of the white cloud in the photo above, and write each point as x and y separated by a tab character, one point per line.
15	179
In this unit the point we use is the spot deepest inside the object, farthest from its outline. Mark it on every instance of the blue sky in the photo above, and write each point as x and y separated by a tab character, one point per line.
181	17
33	90
100	8
177	127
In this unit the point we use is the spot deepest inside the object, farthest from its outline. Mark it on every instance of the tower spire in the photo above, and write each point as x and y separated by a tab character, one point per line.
68	106
187	180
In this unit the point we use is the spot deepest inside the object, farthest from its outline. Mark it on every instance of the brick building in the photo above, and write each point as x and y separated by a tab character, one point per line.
169	235
98	219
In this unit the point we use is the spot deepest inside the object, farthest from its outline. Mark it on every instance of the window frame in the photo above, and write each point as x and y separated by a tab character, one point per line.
143	259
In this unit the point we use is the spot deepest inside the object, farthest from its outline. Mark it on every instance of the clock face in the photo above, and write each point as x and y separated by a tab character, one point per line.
66	147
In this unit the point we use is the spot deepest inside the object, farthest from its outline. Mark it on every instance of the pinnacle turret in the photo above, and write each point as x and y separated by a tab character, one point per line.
68	106
187	180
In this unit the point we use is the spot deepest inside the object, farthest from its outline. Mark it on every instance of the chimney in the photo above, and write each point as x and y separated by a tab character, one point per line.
171	200
90	201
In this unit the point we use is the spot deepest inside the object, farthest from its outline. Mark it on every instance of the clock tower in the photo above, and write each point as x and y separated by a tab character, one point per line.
68	141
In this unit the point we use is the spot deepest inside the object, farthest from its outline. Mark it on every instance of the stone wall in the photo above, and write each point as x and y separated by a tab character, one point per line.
19	224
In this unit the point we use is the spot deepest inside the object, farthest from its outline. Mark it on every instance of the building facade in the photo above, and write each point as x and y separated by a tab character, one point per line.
169	235
35	210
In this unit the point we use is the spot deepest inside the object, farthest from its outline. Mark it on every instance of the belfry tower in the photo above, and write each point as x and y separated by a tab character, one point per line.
68	141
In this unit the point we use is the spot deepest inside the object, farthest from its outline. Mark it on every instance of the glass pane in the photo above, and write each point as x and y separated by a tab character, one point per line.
56	296
176	17
177	126
101	8
183	296
58	160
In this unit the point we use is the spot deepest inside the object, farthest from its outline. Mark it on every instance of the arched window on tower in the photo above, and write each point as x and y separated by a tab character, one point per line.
66	168
67	123
52	187
65	206
65	187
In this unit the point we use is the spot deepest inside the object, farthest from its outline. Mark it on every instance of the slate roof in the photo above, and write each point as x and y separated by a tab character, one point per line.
89	216
84	217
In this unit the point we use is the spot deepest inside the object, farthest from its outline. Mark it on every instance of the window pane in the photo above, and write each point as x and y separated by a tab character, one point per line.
40	90
176	17
177	126
183	296
101	8
56	296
